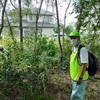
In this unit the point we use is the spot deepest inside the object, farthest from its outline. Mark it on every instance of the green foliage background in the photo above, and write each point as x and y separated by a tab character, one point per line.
26	74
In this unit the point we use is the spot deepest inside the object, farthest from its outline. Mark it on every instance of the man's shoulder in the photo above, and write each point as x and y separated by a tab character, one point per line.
82	47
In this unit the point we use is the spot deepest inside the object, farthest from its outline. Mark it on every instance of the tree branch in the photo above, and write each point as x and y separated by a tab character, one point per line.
2	19
12	4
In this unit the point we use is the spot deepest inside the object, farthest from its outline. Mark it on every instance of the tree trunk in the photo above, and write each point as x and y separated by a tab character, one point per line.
2	19
61	52
10	28
36	30
20	22
37	18
44	17
65	25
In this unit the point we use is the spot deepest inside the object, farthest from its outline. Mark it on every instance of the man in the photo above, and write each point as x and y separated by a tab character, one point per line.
78	73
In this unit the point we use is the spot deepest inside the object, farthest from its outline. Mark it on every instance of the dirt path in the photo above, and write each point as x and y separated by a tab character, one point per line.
59	86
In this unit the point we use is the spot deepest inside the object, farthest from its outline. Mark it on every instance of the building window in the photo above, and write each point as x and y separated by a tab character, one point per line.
31	18
50	19
46	18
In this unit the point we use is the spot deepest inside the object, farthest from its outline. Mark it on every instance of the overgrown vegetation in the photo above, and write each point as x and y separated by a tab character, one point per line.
24	75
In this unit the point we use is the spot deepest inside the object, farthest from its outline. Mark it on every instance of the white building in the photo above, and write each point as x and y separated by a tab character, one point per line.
45	23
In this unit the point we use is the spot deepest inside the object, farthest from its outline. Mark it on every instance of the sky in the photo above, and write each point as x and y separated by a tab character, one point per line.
61	8
70	19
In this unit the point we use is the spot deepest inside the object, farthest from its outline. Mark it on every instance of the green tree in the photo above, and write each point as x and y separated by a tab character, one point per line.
88	15
68	29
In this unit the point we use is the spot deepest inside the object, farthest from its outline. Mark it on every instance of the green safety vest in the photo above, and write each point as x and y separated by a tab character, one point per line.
75	68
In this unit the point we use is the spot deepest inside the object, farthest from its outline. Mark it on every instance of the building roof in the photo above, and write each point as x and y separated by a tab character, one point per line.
27	23
42	12
40	24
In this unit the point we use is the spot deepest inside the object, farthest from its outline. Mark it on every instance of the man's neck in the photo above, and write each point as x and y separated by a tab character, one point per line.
77	45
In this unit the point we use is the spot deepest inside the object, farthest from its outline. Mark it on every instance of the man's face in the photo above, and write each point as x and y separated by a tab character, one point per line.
74	40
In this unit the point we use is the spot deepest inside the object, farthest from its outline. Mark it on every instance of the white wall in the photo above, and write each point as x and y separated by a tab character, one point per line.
48	31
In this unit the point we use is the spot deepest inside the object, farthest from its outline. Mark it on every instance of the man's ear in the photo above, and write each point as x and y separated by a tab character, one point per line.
78	38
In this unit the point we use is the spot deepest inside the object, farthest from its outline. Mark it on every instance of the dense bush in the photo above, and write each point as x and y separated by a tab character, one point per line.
25	73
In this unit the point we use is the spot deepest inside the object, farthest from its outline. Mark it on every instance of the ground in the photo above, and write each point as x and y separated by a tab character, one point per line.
59	86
